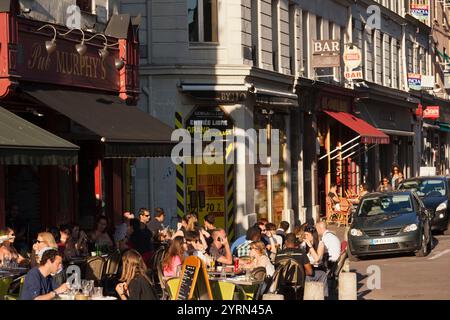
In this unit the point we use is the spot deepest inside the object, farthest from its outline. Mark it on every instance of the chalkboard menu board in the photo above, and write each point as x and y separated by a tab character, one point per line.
186	282
194	282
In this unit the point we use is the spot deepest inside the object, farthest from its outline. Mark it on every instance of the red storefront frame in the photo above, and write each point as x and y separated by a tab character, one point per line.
20	43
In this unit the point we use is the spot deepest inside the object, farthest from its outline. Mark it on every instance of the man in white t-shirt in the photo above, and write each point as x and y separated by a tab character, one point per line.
330	240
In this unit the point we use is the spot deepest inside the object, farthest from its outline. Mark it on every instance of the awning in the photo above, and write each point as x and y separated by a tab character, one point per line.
125	131
445	127
398	132
368	133
23	143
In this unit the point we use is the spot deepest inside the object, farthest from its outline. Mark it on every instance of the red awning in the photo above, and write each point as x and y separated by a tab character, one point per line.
368	133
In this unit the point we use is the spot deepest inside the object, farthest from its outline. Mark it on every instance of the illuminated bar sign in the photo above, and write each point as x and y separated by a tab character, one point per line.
431	112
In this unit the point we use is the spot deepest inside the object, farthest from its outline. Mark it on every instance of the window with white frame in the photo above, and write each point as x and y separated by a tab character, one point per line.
203	20
394	63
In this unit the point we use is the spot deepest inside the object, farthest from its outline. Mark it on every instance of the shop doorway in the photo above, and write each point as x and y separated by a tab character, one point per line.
209	187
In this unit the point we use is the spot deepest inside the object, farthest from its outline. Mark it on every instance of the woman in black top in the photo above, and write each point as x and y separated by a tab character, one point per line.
135	284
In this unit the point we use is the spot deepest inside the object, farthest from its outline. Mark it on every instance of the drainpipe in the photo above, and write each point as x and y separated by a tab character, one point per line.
151	195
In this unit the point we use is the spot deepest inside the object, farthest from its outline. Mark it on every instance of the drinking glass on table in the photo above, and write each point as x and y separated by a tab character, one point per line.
89	286
6	261
97	292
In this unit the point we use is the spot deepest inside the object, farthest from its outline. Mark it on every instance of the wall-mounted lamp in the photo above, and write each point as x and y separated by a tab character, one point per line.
80	47
119	63
103	53
50	46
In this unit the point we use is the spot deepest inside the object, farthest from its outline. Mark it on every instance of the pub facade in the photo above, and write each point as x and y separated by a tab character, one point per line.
71	127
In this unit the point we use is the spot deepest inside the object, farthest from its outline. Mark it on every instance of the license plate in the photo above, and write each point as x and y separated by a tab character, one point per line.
383	241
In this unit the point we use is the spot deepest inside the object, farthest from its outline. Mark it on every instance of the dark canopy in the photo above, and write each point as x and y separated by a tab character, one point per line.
126	131
23	143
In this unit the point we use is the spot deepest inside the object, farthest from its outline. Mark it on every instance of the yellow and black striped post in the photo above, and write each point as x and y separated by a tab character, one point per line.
180	172
229	167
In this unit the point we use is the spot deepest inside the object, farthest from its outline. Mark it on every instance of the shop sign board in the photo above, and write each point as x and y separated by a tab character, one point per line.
420	11
427	82
427	171
65	66
352	57
353	75
447	80
431	112
326	54
415	81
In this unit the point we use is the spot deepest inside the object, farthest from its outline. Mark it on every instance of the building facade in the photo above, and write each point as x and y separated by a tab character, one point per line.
73	89
255	64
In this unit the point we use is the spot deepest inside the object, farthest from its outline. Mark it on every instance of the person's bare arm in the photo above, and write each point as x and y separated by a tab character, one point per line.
308	269
203	240
317	255
336	199
228	258
49	296
179	233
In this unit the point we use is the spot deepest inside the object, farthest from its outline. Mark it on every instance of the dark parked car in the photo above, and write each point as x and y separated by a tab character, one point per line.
390	222
434	193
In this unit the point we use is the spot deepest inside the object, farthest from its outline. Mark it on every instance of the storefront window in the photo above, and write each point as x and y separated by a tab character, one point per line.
269	191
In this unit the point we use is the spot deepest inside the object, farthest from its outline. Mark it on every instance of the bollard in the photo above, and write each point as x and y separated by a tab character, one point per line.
347	286
313	291
272	296
346	267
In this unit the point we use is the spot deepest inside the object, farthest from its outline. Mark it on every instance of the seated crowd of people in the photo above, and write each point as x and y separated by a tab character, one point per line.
264	246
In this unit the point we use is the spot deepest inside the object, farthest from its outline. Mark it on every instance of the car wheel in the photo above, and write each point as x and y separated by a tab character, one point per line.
423	252
447	231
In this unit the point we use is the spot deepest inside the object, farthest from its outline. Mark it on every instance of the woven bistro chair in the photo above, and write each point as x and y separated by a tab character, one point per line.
258	273
344	213
4	286
332	214
94	269
12	295
110	274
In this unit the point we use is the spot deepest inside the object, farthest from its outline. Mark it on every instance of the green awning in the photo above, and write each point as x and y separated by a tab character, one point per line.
443	56
23	143
443	126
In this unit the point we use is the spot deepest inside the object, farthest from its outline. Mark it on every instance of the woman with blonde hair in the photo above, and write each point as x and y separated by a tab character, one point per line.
43	241
135	284
188	223
258	253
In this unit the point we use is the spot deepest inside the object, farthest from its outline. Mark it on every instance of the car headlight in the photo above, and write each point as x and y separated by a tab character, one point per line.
442	206
410	228
356	232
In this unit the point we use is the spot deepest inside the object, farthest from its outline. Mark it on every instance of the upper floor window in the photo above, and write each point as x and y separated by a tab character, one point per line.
85	5
203	20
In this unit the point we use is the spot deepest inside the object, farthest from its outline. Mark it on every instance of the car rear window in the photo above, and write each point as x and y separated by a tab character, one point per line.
389	204
425	188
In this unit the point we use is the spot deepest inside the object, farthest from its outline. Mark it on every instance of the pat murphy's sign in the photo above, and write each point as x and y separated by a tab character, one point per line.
65	66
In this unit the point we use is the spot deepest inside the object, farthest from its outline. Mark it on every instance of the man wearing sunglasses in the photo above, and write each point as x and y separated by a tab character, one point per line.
144	216
142	238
